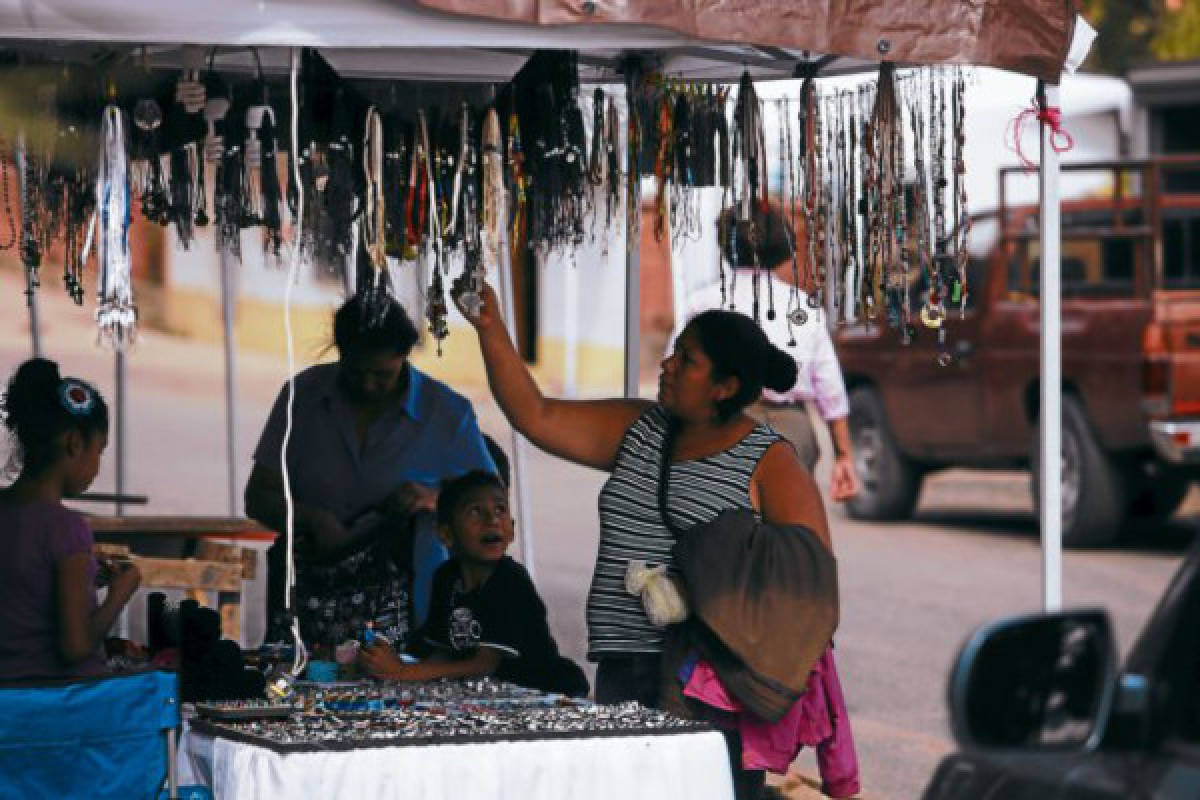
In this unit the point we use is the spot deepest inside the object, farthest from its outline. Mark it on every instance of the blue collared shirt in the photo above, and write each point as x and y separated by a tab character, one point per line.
430	435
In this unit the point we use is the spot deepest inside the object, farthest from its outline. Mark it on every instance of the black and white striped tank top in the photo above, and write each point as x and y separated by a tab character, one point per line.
631	527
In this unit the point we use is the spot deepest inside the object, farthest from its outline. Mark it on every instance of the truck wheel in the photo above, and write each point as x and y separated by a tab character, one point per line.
890	481
1158	497
1093	493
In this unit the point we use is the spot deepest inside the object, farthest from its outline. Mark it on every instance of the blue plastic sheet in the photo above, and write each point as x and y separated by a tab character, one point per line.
94	738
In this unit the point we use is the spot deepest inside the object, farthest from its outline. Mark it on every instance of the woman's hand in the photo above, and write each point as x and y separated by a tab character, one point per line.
409	498
843	485
380	661
489	311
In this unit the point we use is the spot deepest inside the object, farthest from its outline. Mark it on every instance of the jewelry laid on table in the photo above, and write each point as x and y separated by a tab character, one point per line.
322	717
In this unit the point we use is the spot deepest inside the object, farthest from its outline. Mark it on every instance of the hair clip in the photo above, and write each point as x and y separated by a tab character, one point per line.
76	397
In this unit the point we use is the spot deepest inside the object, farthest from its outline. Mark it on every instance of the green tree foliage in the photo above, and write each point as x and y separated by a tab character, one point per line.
1178	37
1133	32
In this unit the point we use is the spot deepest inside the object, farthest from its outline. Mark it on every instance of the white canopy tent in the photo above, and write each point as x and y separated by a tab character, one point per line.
404	40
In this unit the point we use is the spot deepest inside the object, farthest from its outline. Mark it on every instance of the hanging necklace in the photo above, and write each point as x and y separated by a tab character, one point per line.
31	245
492	208
517	179
456	195
8	212
436	309
612	133
848	209
962	217
794	294
721	124
473	267
597	160
116	315
662	165
374	218
634	90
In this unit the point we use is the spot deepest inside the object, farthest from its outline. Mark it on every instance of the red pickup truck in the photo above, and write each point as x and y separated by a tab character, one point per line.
1130	361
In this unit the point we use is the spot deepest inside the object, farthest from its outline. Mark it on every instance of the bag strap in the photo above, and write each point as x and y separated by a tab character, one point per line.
664	476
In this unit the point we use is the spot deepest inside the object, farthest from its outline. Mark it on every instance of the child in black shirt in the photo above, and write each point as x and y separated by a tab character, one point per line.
485	617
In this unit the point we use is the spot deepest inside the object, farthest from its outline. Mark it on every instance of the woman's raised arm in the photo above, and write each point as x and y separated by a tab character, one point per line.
588	432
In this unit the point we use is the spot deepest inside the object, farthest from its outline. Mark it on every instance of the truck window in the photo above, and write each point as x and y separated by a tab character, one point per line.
1181	252
976	280
1090	267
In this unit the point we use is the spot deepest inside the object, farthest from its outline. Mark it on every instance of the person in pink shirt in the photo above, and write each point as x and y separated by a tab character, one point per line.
819	384
51	625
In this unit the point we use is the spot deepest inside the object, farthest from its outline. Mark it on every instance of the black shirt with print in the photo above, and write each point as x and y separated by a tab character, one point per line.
505	614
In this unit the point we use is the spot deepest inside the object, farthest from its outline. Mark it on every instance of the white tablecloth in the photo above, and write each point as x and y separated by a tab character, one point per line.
686	766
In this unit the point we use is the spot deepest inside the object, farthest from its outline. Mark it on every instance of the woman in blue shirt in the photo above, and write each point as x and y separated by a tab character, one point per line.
372	437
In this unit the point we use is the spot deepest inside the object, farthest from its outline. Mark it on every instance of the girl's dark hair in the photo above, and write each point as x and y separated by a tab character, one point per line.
454	492
384	326
738	348
40	405
766	240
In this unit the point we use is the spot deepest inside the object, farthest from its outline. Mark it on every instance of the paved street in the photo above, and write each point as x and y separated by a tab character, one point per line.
910	592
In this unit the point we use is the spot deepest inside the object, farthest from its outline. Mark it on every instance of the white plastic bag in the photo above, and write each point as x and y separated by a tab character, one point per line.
661	596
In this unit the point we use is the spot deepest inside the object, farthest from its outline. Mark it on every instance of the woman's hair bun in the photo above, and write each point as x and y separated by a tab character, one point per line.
781	370
32	392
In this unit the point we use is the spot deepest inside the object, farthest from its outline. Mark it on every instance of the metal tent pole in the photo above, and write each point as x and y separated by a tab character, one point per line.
227	311
1051	358
519	464
571	330
121	403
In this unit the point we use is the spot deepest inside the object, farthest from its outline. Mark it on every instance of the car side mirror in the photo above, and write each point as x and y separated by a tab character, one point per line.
1042	682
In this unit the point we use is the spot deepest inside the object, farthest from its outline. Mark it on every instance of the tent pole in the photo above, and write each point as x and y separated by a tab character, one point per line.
519	464
571	330
227	292
121	402
1051	358
35	332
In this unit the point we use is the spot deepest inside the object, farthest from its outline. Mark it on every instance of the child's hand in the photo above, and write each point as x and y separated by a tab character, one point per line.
125	579
380	661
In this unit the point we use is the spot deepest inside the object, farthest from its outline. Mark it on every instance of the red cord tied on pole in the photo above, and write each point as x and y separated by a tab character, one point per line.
1050	116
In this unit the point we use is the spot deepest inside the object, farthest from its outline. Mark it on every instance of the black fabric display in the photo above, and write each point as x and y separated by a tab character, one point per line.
505	613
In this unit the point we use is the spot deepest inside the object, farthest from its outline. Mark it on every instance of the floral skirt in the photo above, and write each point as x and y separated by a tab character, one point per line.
336	597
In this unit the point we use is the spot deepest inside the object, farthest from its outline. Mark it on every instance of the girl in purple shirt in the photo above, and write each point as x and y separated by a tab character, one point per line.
50	623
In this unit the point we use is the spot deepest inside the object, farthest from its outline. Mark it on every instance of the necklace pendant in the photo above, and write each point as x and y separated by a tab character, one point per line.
798	316
933	315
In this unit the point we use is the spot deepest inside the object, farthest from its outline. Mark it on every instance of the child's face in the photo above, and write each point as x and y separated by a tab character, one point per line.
482	527
83	460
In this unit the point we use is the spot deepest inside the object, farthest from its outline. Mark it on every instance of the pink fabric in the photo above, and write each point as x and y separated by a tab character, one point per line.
818	719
